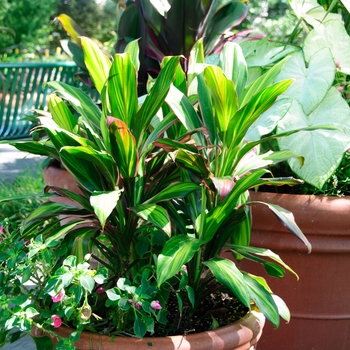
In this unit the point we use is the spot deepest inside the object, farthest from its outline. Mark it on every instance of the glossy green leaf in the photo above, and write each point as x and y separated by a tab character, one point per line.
224	96
248	114
97	63
123	147
282	307
81	102
176	190
155	214
178	250
104	203
122	88
61	113
133	50
193	162
233	64
102	161
227	273
263	299
156	97
216	216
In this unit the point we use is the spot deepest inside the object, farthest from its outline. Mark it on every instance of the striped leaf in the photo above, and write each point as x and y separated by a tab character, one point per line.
122	88
97	63
123	147
154	214
177	251
227	273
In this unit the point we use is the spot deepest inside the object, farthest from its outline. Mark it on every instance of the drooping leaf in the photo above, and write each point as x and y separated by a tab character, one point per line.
263	299
71	28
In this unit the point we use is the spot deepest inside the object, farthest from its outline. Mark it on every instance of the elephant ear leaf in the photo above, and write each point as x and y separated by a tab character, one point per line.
123	145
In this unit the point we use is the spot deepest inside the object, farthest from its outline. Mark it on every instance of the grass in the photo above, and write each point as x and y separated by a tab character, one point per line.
30	182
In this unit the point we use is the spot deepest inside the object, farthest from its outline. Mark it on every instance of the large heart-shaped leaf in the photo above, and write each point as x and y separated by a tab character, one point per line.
322	149
332	35
310	84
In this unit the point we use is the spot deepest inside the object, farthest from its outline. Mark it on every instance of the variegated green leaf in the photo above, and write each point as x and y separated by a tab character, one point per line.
61	114
176	190
97	63
122	88
178	250
227	273
123	147
263	299
155	214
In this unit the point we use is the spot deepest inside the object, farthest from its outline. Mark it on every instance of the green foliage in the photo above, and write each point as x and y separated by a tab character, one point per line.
164	183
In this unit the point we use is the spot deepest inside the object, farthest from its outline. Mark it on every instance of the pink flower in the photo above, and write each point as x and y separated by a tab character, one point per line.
58	297
57	322
100	290
138	305
1	229
155	305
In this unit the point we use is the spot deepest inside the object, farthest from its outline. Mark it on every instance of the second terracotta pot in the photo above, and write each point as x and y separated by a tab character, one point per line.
319	301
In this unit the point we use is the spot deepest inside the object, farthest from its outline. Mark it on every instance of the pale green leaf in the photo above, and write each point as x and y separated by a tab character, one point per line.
104	203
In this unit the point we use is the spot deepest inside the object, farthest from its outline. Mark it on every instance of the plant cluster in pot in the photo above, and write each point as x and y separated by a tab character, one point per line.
319	307
164	186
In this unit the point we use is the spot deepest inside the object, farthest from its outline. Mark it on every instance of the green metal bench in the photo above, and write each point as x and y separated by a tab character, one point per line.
22	90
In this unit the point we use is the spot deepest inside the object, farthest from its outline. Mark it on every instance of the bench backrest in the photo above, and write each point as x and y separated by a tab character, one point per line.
22	90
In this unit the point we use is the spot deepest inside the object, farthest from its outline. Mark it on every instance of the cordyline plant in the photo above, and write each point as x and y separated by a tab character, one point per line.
164	183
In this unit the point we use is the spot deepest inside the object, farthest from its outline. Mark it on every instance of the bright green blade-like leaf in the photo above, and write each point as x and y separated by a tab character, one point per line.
155	214
177	190
176	252
104	203
132	49
156	97
227	273
234	66
123	147
81	102
61	113
122	88
263	299
224	96
97	63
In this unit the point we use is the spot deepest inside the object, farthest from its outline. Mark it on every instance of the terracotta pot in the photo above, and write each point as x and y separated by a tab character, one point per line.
242	335
55	176
319	301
